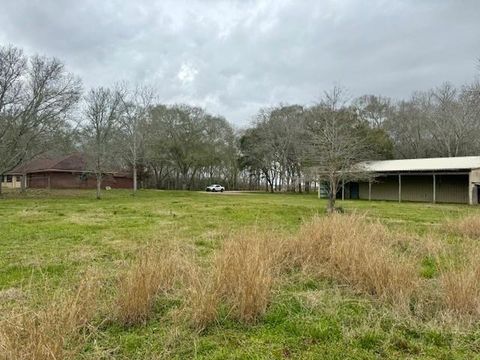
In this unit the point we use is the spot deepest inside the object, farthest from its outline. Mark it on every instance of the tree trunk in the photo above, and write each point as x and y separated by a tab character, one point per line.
157	178
191	182
332	194
134	180
271	186
99	186
299	181
1	182
184	179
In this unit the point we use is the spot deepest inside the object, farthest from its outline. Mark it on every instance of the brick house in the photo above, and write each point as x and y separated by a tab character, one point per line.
68	172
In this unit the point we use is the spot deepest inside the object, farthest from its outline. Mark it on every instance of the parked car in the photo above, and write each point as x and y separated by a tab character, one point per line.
215	188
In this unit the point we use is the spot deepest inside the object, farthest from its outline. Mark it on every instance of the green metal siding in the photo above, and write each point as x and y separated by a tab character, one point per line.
450	188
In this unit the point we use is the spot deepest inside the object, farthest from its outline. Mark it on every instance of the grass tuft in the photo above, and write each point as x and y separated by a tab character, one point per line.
351	249
245	271
153	273
54	331
468	226
461	289
202	299
241	279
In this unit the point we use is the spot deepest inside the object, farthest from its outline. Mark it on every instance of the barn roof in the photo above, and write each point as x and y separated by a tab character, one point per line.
429	164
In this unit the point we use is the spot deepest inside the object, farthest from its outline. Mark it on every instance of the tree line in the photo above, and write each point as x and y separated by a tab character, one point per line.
45	109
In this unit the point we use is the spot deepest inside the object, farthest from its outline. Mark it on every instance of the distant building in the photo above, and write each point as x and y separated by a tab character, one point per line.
10	181
68	172
446	180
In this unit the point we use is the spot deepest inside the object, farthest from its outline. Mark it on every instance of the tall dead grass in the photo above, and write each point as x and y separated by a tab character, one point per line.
54	331
154	272
202	299
459	283
352	249
242	278
468	226
245	270
460	287
348	248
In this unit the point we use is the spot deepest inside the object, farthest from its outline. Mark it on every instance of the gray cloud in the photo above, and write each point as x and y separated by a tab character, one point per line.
233	57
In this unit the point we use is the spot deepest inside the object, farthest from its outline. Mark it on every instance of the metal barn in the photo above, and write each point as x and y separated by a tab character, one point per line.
446	180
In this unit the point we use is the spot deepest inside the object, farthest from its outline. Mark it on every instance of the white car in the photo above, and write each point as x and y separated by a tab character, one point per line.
215	188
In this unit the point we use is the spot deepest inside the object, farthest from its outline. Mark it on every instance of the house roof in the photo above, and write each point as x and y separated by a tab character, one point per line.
70	163
73	162
429	164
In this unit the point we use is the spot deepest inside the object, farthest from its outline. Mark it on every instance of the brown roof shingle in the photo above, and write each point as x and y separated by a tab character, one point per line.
71	163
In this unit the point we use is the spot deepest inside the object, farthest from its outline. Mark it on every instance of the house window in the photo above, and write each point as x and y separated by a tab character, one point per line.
19	178
9	178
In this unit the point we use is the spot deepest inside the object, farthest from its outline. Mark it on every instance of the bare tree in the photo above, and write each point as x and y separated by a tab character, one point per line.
102	112
374	109
36	96
136	106
335	147
257	156
157	157
407	129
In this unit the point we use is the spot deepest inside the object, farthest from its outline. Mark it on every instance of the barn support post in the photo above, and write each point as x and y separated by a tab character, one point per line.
369	190
23	182
343	190
399	188
49	184
434	189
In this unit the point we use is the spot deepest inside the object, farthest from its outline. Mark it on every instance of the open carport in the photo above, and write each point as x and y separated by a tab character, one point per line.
446	180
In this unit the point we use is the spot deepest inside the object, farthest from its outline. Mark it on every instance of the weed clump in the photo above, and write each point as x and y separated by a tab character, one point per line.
155	272
351	249
468	226
54	331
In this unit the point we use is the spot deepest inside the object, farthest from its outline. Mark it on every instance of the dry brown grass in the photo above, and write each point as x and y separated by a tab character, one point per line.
202	299
242	278
347	248
154	272
245	270
351	249
54	331
460	288
468	226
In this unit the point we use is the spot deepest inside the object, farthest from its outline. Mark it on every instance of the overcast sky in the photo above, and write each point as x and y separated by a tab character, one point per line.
233	57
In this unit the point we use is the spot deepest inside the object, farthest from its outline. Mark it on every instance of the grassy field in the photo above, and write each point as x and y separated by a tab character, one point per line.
48	241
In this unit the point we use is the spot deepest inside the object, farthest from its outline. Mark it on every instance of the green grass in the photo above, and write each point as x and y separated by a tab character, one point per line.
54	236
